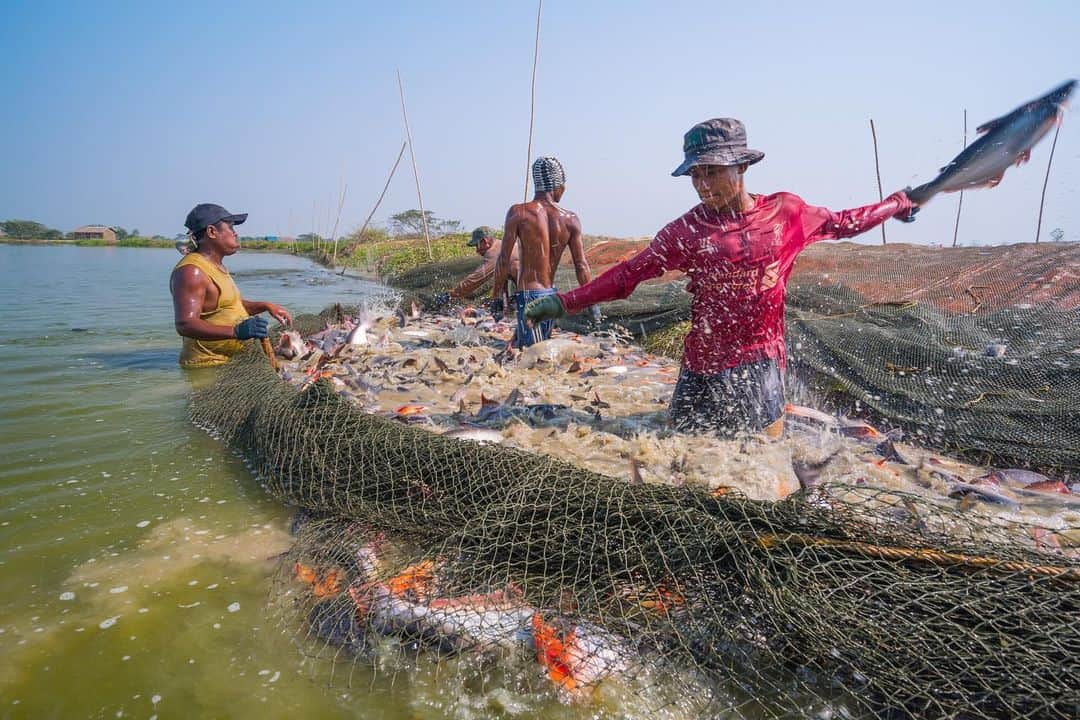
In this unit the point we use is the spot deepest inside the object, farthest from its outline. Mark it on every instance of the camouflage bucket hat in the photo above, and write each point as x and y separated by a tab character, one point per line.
720	141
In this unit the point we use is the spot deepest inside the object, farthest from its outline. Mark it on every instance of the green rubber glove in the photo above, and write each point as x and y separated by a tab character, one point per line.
546	308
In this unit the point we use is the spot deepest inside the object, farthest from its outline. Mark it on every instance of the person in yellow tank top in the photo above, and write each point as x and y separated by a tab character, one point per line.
208	311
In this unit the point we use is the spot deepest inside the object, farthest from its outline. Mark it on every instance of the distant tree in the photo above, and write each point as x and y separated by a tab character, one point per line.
411	224
1057	234
449	227
309	238
29	230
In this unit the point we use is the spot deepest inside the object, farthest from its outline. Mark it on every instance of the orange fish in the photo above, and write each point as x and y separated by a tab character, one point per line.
662	601
1053	486
325	585
410	410
578	659
551	652
417	580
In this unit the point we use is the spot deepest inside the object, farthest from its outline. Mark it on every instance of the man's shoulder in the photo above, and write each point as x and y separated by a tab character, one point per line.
782	199
683	225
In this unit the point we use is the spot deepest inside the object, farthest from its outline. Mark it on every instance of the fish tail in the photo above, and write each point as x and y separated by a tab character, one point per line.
922	194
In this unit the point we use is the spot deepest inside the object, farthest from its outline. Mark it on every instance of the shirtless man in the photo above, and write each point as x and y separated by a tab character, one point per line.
207	308
544	230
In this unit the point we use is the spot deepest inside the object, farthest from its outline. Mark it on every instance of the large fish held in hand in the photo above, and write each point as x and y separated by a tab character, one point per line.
1006	141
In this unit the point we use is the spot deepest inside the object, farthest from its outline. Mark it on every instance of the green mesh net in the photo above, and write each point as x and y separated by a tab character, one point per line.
586	595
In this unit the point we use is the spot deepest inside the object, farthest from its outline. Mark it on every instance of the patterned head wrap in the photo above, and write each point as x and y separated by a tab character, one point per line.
548	174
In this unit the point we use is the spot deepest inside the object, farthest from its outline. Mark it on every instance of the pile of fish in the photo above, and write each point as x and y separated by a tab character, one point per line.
359	603
601	402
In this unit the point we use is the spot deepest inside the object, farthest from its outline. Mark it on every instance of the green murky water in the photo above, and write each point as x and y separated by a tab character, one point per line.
135	551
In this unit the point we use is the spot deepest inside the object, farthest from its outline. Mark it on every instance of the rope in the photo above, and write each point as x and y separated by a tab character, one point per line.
926	555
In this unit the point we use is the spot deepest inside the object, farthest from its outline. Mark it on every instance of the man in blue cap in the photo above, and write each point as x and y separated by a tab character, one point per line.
207	308
738	250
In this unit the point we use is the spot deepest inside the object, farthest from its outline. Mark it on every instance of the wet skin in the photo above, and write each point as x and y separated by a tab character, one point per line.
543	230
195	293
721	187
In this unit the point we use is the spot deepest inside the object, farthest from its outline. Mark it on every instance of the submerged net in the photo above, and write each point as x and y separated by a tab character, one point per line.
497	566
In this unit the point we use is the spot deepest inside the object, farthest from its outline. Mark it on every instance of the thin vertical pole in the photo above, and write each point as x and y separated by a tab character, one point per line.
960	205
416	174
532	99
333	235
1046	181
877	167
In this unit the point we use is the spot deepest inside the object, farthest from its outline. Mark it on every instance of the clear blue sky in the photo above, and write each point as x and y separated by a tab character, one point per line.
130	113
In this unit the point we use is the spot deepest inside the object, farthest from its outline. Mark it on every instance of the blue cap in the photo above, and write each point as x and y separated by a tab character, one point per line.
204	215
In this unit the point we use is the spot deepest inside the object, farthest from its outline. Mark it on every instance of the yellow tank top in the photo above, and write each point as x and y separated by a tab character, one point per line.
229	311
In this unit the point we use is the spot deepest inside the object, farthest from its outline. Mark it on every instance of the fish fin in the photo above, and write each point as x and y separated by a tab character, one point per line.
994	181
996	122
1023	157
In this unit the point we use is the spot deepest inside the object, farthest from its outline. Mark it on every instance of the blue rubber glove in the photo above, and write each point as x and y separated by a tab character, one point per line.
442	300
253	327
546	308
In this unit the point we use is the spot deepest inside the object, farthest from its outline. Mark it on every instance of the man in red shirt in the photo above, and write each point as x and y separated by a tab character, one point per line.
738	250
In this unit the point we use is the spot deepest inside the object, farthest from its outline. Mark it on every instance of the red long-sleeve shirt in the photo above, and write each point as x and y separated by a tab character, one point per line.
738	268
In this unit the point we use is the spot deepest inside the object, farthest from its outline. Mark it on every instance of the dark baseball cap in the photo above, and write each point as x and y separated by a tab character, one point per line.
720	141
204	215
479	234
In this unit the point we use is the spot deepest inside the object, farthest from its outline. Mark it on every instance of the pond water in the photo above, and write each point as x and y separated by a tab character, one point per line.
136	551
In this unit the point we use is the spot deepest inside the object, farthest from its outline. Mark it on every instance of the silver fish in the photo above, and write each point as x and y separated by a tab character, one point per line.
1005	141
475	434
472	622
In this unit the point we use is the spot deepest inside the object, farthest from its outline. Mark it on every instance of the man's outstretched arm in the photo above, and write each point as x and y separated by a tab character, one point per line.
824	224
577	253
502	266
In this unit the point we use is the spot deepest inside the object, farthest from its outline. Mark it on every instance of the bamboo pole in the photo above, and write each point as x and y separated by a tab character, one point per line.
269	351
333	234
1046	181
877	167
959	205
360	233
416	174
532	99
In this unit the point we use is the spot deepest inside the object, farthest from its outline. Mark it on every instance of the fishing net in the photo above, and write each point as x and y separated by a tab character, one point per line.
580	594
971	350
